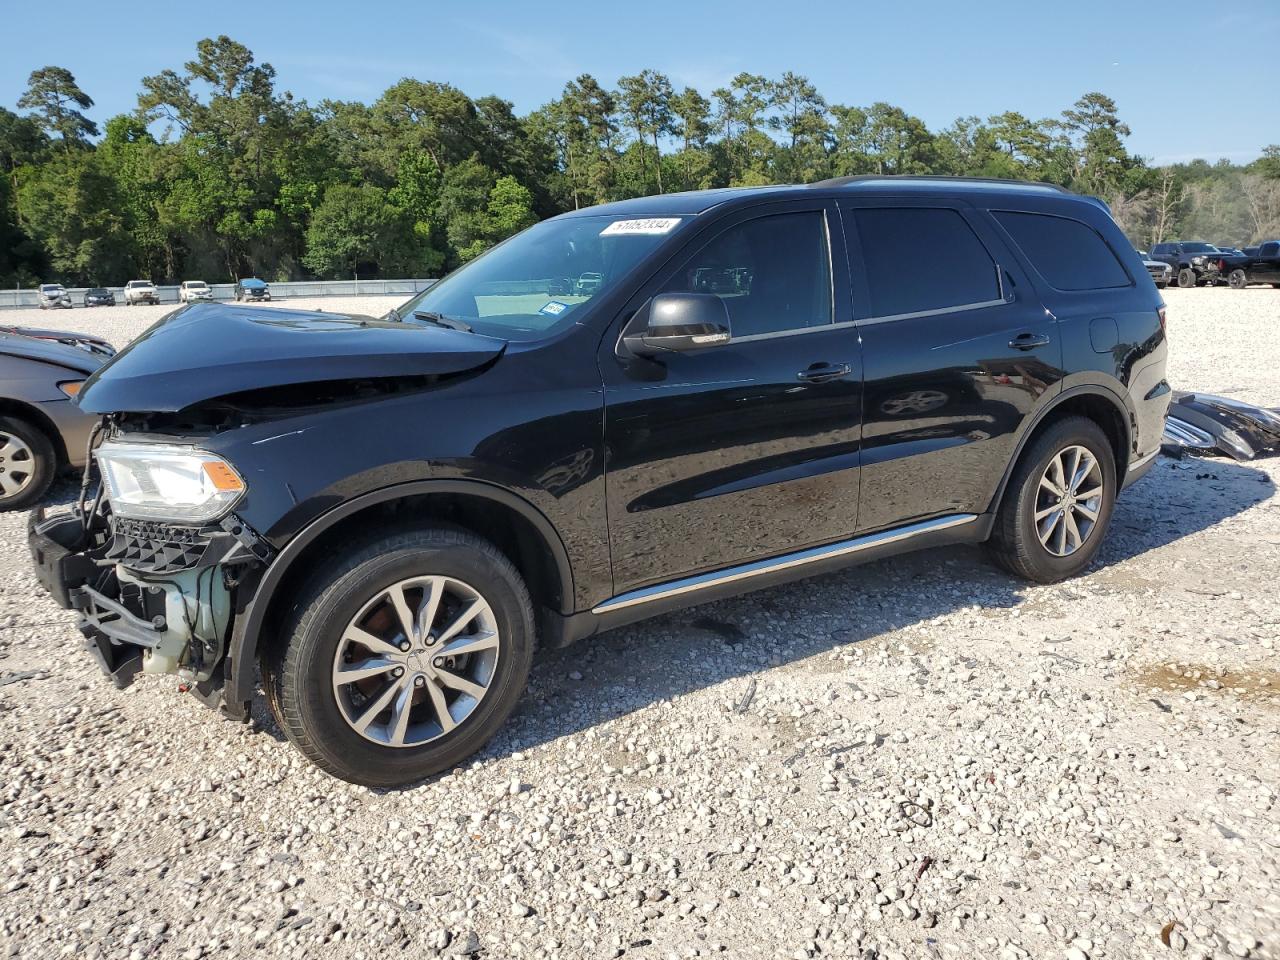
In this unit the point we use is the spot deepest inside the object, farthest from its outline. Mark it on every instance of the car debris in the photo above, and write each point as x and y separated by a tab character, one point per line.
1204	424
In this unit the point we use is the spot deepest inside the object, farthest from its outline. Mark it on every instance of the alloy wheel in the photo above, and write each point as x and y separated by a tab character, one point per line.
416	661
1069	500
17	465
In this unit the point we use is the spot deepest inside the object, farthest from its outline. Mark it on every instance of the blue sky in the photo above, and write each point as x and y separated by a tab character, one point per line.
938	60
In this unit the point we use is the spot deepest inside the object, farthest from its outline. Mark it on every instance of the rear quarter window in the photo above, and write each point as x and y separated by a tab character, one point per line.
1069	254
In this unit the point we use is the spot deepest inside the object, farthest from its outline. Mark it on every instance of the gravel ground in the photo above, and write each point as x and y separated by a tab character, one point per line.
915	758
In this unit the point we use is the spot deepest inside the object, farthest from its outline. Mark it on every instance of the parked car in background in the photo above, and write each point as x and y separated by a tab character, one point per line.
99	297
141	291
1262	266
1229	251
1159	271
1250	251
252	289
52	295
192	290
81	341
389	516
41	429
1193	262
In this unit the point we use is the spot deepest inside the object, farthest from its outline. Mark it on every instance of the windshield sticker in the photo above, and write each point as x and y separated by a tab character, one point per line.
554	308
651	225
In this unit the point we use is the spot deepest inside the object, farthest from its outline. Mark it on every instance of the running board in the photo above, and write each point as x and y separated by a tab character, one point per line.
706	581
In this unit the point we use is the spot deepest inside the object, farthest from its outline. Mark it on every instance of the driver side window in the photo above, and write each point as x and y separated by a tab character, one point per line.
773	273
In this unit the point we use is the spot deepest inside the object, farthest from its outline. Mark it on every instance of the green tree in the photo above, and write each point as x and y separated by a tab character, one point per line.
1098	134
806	128
358	229
646	99
69	205
52	92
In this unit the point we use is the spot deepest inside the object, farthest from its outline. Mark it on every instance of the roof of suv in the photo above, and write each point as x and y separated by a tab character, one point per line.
699	201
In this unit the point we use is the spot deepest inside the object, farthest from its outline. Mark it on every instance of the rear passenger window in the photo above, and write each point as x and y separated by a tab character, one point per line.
1069	254
921	259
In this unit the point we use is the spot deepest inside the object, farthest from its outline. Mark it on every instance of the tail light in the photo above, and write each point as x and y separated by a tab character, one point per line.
1222	266
1161	314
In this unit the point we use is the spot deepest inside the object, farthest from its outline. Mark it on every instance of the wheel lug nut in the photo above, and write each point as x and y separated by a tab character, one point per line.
398	672
404	646
438	661
419	681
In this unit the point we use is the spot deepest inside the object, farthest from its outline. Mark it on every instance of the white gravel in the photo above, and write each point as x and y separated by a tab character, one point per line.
916	758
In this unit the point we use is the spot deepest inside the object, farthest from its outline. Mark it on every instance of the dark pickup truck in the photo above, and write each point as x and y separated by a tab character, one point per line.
1194	263
1260	266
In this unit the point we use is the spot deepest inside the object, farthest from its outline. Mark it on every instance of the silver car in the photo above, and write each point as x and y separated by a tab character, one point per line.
53	295
41	428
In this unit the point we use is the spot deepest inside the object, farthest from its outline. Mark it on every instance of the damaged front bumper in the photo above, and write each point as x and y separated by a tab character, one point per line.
1205	425
152	597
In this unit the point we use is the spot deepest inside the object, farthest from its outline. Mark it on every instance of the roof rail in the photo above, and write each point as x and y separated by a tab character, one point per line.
870	177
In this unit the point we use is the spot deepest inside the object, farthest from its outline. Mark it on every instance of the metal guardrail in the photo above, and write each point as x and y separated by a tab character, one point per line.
282	290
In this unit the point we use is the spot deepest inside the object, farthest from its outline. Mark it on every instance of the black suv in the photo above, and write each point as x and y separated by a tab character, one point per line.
752	385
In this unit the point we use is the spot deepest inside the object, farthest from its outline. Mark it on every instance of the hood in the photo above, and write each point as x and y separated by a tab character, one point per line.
14	344
208	350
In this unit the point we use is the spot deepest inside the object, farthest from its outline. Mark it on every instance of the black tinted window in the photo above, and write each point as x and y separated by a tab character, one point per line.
923	259
773	273
1069	254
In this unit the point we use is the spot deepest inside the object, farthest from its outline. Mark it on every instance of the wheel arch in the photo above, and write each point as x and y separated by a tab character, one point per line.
38	419
1094	401
513	524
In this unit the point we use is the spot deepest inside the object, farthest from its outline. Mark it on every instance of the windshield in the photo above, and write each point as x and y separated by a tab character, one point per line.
1199	248
252	283
540	279
50	287
134	284
196	284
97	292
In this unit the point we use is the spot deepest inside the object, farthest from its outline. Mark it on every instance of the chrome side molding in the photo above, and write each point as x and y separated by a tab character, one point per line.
758	568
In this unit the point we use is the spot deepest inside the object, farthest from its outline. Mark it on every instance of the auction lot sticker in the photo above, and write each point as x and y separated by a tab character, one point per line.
651	225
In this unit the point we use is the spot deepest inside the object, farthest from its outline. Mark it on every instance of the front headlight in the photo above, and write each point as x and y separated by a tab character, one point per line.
1197	260
158	481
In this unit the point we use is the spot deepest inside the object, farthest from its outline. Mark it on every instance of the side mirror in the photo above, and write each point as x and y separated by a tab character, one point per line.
678	322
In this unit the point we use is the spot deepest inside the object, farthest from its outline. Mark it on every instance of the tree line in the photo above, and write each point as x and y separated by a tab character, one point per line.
218	174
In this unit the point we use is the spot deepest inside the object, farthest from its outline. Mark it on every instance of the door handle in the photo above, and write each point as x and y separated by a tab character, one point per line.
1029	341
822	372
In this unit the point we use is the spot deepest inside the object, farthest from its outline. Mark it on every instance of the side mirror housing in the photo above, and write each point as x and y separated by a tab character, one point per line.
679	322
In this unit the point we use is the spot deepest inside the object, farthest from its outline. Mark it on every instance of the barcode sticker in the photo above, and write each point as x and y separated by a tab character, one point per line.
651	225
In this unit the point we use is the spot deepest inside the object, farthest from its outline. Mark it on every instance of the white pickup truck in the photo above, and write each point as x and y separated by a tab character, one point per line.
141	291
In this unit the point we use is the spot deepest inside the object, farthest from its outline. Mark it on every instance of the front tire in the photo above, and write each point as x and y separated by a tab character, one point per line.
1186	277
27	464
1058	504
404	657
1237	280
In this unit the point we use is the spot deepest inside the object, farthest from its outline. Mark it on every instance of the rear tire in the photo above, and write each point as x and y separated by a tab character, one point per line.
1237	279
1031	507
28	463
1186	277
346	619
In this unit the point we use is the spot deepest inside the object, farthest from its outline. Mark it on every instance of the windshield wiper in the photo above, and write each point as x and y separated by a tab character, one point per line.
440	320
